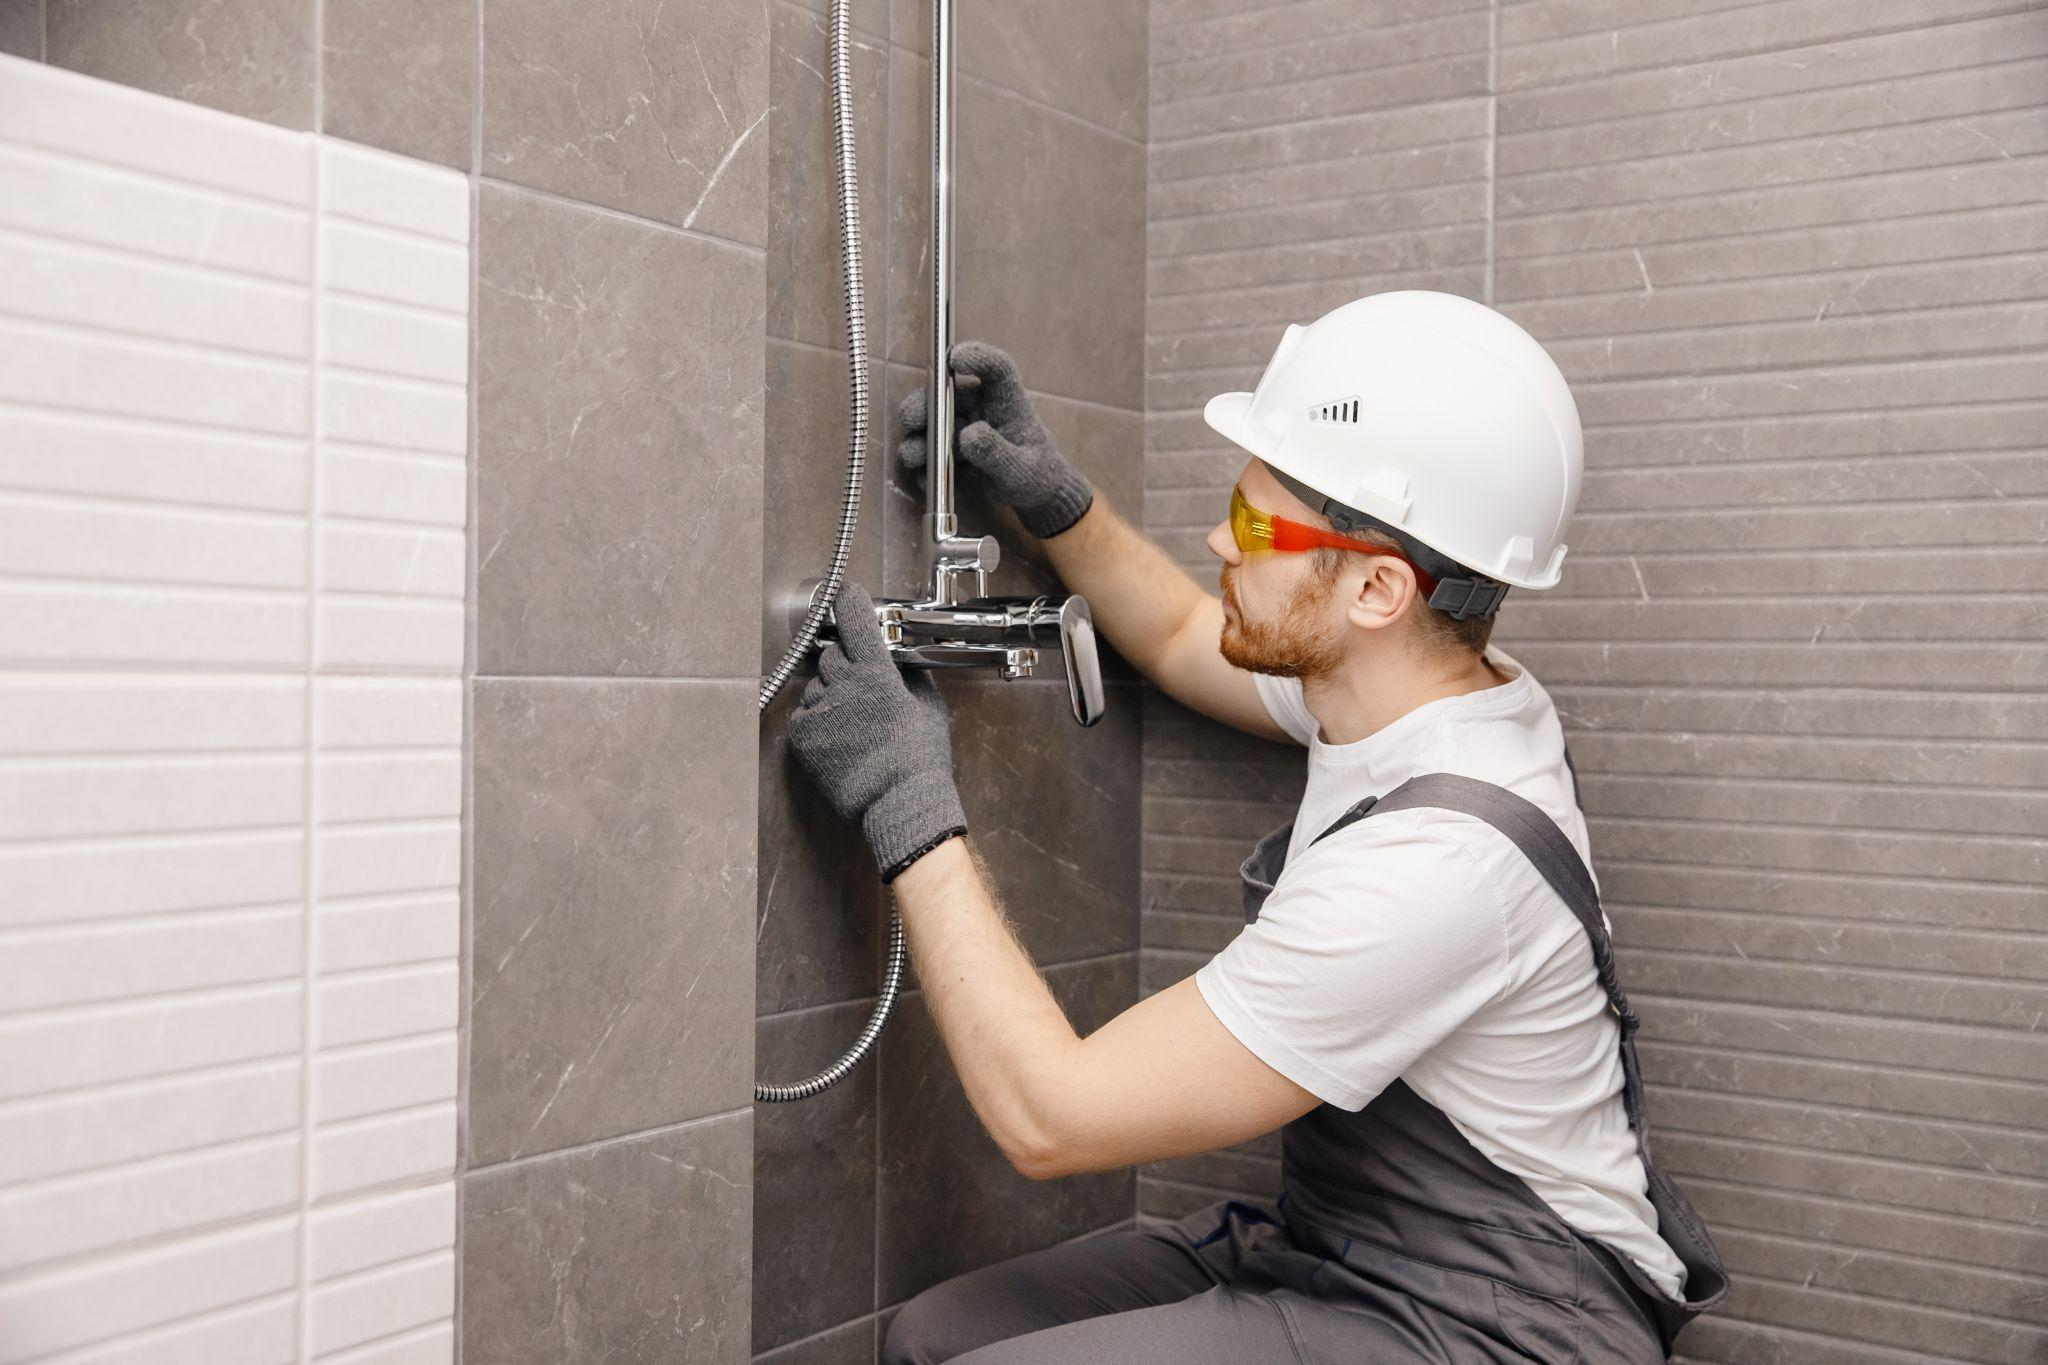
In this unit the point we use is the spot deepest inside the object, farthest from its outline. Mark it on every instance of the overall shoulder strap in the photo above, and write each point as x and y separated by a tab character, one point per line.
1544	845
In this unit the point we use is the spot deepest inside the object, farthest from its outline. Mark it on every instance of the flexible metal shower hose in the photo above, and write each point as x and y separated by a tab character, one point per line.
842	545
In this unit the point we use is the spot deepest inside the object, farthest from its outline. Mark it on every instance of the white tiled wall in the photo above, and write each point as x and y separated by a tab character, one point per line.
233	425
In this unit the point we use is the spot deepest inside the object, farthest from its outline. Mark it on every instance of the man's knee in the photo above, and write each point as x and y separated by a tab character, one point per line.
919	1335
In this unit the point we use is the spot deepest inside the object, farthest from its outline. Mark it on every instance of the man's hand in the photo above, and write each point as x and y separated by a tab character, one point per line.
1002	439
877	745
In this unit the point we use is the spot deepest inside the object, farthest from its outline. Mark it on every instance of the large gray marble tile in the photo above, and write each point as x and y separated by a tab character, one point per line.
614	889
640	105
820	903
1053	810
632	1253
851	1344
870	17
619	384
814	1205
248	57
1085	57
806	277
1049	256
804	482
401	75
949	1201
21	28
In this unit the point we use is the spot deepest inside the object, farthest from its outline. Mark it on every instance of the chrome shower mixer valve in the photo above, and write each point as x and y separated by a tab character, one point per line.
1005	633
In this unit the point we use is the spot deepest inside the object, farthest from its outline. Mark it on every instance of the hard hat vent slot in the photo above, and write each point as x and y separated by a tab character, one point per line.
1343	410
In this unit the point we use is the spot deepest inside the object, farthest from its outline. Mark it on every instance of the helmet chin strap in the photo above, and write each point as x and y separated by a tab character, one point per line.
1461	593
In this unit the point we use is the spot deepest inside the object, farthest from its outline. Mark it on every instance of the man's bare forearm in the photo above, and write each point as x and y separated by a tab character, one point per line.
1007	1036
1137	595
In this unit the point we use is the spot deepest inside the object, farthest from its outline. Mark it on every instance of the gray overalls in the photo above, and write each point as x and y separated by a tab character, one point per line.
1394	1240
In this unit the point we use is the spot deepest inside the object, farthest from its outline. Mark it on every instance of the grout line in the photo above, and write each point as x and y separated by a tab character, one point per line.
1389	32
309	962
1492	139
962	75
466	909
600	1144
605	210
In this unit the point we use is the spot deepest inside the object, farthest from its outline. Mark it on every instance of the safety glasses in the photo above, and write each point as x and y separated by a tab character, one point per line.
1255	530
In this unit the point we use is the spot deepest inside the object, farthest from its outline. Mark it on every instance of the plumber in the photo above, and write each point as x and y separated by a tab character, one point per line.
1422	1000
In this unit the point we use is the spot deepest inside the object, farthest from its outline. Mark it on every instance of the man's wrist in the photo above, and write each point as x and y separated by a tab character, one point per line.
1069	502
903	864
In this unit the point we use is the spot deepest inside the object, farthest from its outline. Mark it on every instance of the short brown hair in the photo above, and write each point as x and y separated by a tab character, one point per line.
1439	628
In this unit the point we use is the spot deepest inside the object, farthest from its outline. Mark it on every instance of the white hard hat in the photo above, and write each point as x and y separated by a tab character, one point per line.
1434	416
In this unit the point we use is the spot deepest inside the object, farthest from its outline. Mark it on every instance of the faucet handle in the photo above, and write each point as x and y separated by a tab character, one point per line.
1084	667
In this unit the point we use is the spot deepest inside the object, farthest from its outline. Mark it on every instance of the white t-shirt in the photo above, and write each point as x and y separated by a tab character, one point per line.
1422	944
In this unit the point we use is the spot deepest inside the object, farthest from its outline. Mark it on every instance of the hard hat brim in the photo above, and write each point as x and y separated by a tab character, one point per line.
1229	416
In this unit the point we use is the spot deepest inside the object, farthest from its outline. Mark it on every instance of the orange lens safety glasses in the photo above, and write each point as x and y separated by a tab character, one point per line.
1256	530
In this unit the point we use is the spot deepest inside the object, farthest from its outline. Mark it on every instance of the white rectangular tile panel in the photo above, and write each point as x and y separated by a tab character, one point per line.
234	369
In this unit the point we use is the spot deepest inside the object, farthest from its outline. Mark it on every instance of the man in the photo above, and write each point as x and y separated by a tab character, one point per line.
1422	998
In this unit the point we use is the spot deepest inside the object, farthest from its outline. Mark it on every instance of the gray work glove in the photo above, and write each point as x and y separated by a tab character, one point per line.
1001	438
877	743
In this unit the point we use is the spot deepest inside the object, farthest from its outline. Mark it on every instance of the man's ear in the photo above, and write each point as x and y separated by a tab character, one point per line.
1382	593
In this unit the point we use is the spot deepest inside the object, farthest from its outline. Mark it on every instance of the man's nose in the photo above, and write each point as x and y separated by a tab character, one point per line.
1223	545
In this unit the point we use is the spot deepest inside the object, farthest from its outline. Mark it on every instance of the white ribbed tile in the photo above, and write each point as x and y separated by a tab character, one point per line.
110	623
433	1345
95	879
233	503
85	964
117	292
378	263
381	933
109	713
82	1304
407	561
407	785
101	1044
361	1234
391	413
61	197
76	538
385	713
382	1302
393	485
59	798
89	372
367	1153
390	339
360	1007
104	1125
395	192
378	633
63	452
264	1332
96	121
54	1219
376	1078
375	860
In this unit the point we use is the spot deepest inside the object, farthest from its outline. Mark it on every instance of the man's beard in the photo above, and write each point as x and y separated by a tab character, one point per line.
1287	646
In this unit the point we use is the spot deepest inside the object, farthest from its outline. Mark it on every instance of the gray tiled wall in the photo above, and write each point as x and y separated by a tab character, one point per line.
619	167
888	1184
1790	257
620	370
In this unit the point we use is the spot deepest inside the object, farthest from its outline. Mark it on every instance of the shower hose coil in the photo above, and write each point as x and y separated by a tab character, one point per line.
842	545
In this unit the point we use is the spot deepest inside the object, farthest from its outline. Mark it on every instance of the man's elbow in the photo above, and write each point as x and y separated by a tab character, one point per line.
1050	1160
1036	1156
